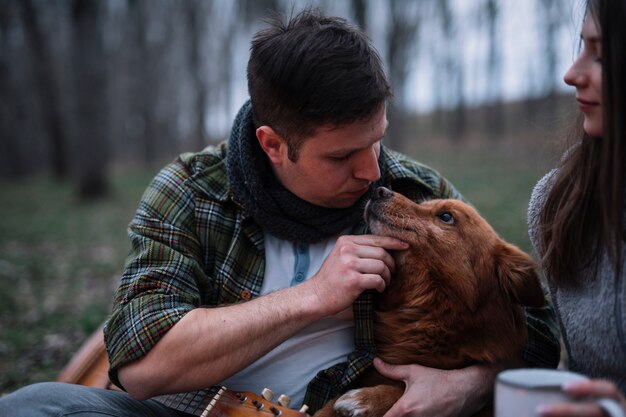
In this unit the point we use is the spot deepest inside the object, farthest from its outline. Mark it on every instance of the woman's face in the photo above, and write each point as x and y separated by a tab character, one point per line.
586	75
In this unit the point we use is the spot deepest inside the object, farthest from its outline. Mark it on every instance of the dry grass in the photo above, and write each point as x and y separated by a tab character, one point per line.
59	263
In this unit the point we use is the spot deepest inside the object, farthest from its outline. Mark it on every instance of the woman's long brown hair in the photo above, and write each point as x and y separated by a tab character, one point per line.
584	211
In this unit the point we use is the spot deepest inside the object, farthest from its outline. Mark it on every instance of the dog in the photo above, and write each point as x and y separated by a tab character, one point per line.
456	297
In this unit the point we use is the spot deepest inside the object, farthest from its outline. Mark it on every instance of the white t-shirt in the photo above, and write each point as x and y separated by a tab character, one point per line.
289	367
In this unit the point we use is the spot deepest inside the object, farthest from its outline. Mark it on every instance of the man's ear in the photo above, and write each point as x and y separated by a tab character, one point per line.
272	144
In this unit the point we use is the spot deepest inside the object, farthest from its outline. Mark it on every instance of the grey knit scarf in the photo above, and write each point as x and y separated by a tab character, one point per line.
276	209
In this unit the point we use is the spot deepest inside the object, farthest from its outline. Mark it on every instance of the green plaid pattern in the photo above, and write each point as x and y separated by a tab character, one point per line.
192	246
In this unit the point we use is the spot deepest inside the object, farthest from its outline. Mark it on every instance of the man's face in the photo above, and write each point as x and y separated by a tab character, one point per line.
335	167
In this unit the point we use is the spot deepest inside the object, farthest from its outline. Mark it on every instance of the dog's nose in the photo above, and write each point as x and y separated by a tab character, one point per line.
382	192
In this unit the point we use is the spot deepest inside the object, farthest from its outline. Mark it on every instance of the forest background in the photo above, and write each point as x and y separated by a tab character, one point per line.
96	95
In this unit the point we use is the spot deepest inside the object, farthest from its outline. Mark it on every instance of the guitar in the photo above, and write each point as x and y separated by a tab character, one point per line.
227	403
223	402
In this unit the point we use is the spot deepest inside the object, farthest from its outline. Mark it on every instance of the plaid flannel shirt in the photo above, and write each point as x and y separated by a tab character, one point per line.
192	246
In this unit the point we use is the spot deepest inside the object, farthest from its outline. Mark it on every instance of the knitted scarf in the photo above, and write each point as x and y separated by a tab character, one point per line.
276	209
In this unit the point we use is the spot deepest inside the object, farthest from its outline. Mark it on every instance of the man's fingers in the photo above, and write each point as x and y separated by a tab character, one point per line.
374	282
376	267
387	242
390	371
367	259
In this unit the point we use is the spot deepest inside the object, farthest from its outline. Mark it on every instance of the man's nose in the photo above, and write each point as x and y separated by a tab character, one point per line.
367	166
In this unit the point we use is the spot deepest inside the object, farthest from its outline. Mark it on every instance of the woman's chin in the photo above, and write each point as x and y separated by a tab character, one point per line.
593	128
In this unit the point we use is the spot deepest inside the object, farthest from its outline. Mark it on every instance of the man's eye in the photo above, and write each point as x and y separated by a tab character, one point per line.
446	217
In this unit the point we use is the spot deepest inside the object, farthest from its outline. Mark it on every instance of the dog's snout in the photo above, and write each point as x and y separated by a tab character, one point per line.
382	192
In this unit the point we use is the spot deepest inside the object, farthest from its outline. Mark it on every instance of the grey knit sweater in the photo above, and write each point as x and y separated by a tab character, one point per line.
590	313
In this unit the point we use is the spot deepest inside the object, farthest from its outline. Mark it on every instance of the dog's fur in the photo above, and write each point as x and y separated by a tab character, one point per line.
456	298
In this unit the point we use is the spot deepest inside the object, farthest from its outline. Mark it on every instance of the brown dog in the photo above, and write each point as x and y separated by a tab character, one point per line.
456	298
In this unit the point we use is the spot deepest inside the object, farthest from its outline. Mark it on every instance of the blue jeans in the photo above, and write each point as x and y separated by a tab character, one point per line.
55	399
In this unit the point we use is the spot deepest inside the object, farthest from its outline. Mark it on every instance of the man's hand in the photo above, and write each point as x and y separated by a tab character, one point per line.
356	264
437	392
591	388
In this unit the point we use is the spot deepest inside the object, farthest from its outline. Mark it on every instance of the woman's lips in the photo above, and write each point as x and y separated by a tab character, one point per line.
586	105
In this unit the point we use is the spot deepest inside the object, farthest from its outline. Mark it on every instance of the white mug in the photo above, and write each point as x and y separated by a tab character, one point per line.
519	392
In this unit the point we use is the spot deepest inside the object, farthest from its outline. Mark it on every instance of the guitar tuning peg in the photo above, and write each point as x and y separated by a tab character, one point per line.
275	411
284	400
304	408
267	394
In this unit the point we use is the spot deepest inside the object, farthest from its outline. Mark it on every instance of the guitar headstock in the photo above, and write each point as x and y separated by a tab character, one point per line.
227	403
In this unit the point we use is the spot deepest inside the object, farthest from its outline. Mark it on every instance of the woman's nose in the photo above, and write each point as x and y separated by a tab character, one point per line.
575	76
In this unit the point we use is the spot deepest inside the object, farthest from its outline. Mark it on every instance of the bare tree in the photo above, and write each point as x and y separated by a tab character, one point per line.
251	10
48	90
405	17
360	10
450	73
197	15
81	79
90	122
552	18
145	81
11	107
494	116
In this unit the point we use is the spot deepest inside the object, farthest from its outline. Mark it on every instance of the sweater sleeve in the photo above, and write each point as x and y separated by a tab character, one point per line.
537	200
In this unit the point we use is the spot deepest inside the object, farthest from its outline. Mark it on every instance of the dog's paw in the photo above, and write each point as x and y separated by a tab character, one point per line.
353	404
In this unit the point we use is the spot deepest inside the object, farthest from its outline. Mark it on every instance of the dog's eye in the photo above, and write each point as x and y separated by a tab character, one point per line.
446	217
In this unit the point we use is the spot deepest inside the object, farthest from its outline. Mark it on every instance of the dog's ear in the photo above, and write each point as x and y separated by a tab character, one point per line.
517	275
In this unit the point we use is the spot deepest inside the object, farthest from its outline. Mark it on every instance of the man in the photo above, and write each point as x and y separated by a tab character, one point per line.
250	265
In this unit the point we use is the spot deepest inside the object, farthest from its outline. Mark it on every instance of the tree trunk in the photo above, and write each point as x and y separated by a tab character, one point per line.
90	100
46	85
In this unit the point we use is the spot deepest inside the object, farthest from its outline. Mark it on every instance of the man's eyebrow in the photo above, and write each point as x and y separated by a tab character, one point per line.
349	150
344	151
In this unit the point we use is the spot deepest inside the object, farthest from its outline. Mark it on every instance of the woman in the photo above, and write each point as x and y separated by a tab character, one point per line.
576	216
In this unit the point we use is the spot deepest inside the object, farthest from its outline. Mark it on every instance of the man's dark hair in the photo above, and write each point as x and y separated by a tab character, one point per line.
311	71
